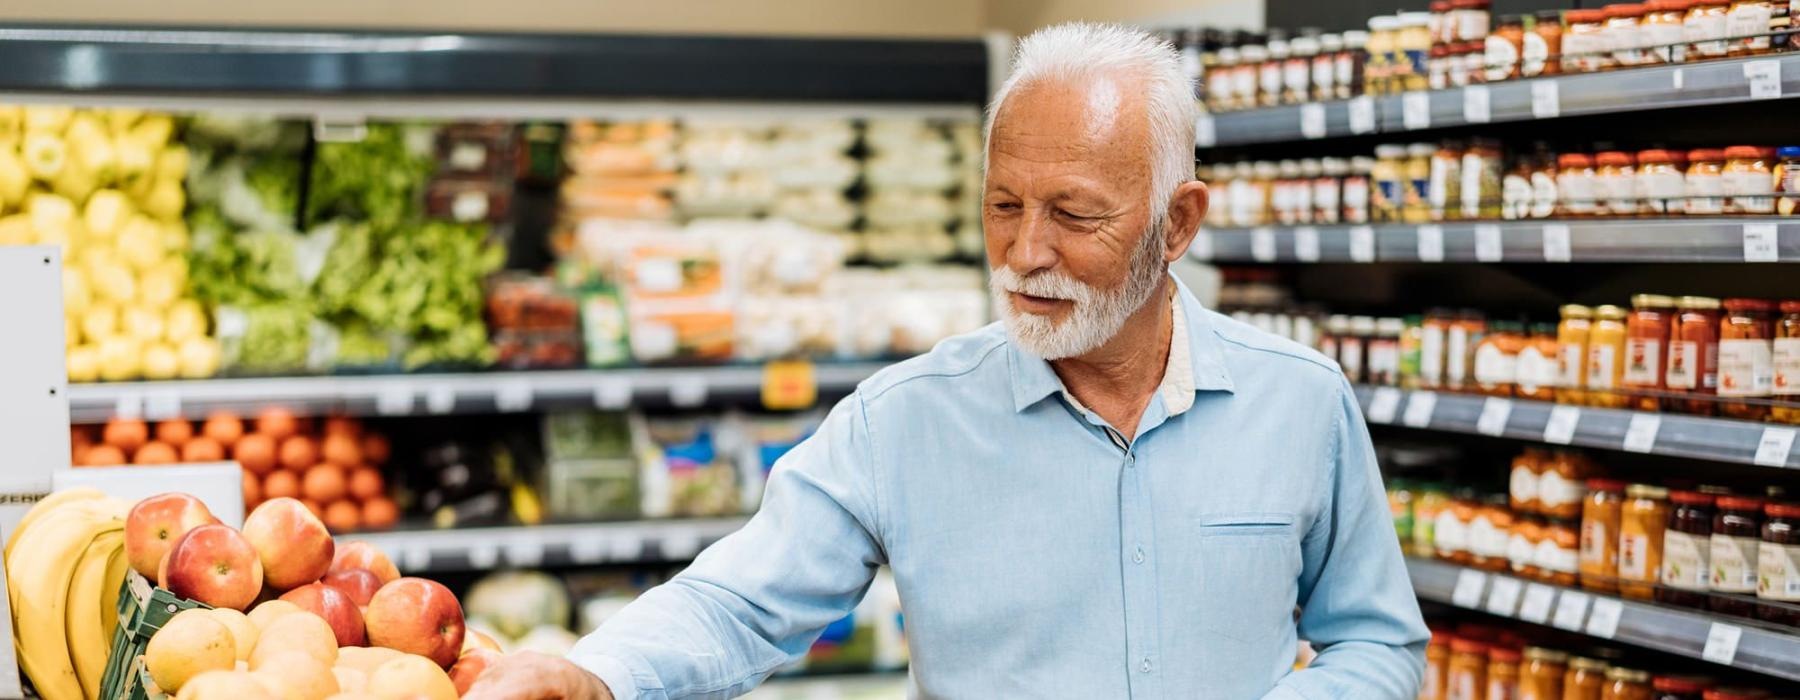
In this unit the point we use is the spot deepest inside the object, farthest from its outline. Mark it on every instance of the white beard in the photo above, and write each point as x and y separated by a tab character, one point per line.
1098	314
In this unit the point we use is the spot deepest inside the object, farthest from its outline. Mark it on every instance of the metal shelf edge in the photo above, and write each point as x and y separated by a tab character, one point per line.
526	546
1610	240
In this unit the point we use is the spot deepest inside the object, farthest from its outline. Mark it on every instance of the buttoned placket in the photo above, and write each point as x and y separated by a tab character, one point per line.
1137	547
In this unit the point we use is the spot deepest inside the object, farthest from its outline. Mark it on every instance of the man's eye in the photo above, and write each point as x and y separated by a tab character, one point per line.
1072	216
1005	206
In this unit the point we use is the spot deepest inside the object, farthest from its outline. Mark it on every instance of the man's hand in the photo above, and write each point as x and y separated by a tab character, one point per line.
529	675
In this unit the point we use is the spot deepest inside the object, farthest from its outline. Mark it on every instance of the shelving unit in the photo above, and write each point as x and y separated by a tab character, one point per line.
1734	642
1743	239
586	544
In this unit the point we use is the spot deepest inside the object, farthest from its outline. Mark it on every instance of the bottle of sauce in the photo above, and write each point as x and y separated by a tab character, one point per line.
1503	672
1626	684
1337	328
1438	66
1522	483
1559	553
1324	67
1415	205
1606	357
1464	336
1562	484
1642	522
1488	534
1576	183
1778	565
1585	44
1437	666
1786	385
1705	181
1571	353
1748	23
1687	549
1221	85
1296	72
1693	366
1705	29
1647	331
1450	535
1749	180
1503	48
1350	64
1601	515
1661	31
1246	78
1616	182
1661	188
1521	547
1736	536
1585	679
1538	371
1542	676
1269	72
1746	358
1680	687
1327	190
1497	359
1467	676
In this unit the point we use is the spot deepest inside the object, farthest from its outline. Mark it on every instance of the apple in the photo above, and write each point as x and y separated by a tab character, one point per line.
362	555
477	639
410	677
336	607
417	616
293	544
469	668
155	523
216	566
359	584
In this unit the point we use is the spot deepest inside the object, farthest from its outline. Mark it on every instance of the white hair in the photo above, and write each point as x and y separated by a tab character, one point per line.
1077	51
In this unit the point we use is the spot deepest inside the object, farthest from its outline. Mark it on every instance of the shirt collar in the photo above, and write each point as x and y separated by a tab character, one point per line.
1193	347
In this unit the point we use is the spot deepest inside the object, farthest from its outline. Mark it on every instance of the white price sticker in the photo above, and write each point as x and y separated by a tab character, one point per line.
1206	134
525	552
1431	243
162	405
513	397
1722	643
1604	621
1535	608
1772	450
627	547
1640	435
1362	244
1560	429
1418	409
1306	244
393	399
1503	596
1262	244
1761	243
587	550
1545	102
483	555
1556	243
1415	110
1469	585
1488	246
1494	412
1476	108
1312	120
1764	78
1362	115
1202	247
1571	611
612	394
129	406
440	399
687	392
680	546
1384	405
416	559
1677	80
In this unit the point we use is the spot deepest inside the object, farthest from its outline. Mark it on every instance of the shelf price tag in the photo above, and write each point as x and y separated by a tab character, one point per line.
513	397
483	555
1722	643
680	546
1640	435
1362	244
1560	429
1677	80
440	399
1762	243
1503	596
1764	78
1415	110
1488	247
525	552
1556	243
1418	409
1431	243
1469	585
612	394
162	405
1494	412
687	392
1476	105
1202	247
1362	115
1772	450
789	385
1312	120
1262	244
416	558
1306	244
1571	611
1384	405
587	550
393	399
1206	134
1546	103
1604	621
1539	598
129	405
627	547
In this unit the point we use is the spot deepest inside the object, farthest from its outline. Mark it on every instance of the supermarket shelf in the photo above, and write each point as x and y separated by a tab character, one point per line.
483	549
439	394
1744	239
1675	435
1732	641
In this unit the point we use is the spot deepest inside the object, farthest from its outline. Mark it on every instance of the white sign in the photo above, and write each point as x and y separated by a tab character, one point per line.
1571	611
1415	110
440	399
393	399
1640	436
1604	622
1503	595
1677	80
1538	600
687	392
587	550
1431	244
1469	585
1384	405
1556	243
1761	243
416	558
1306	244
1545	102
1488	247
1494	413
1362	244
612	394
1765	79
525	552
1418	409
1362	115
1476	105
1312	120
162	405
1722	643
1560	429
129	405
1772	450
513	396
1206	135
1262	244
483	555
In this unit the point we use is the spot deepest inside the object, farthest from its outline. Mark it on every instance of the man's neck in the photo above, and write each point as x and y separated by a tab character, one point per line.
1116	380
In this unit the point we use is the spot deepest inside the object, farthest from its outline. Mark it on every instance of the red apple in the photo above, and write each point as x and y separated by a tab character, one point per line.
336	607
362	555
155	523
216	566
416	616
469	668
359	584
294	545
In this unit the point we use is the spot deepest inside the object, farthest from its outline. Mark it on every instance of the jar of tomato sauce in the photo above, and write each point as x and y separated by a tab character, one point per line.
1571	353
1787	360
1467	675
1642	523
1601	514
1606	357
1647	332
1693	366
1746	358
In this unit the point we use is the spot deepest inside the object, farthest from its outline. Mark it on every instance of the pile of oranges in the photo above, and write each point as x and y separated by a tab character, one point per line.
333	467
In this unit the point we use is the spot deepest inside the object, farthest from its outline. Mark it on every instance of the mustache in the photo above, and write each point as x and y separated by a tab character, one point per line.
1047	284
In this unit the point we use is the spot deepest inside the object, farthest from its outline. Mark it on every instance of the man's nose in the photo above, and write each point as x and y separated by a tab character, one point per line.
1035	247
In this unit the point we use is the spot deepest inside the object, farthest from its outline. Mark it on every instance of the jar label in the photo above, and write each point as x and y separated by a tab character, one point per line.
1495	367
1683	372
1749	22
1578	192
1555	490
1705	193
1515	199
1568	364
1325	200
1486	540
1523	486
1705	31
1749	192
1297	74
1684	563
1431	355
1778	571
1643	361
1663	40
1456	355
1543	195
1594	538
1244	84
1270	81
1746	367
1734	563
1463	686
1520	551
1501	58
1323	71
1350	357
1601	360
1473	171
1623	40
1551	557
1533	54
1536	371
1450	534
1620	191
1434	676
1384	361
1502	689
1445	174
1634	557
1662	192
1787	364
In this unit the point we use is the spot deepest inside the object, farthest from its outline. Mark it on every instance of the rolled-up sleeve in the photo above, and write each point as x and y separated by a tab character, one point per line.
1357	603
760	597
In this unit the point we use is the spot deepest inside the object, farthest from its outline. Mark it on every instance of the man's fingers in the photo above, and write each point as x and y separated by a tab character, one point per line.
503	682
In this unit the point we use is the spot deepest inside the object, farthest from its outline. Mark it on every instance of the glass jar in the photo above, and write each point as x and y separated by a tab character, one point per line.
1736	534
1585	680
1414	43
1661	188
1497	359
1283	205
1348	67
1450	537
1778	565
1331	344
1542	676
1584	42
1521	547
1606	357
1481	195
1747	23
1389	194
1543	42
1502	48
1786	363
1221	89
1615	183
1704	29
1562	484
1466	678
1680	687
1704	182
1693	366
1647	331
1400	508
1544	195
1445	184
1488	534
1749	180
1327	190
1571	353
1687	549
1428	506
1384	353
1353	349
1746	358
1412	340
1432	338
1642	521
1311	170
1296	72
1415	206
1661	31
1538	370
1576	184
1437	66
1621	32
1787	177
1357	190
1503	672
1247	77
1437	666
1324	68
1626	684
1269	73
1558	556
1515	189
1464	336
1469	20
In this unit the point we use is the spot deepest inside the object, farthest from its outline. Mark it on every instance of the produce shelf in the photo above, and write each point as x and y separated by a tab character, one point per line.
548	545
441	394
1633	90
1671	434
1731	641
1737	239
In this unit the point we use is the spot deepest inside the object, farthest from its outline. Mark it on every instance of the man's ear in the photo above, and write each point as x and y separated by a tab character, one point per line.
1187	209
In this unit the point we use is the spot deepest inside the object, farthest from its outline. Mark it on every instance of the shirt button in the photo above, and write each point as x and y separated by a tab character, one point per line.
1145	667
1138	556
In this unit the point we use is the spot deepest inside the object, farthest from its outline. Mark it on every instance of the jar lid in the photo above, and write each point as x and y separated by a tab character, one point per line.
1609	312
1743	152
1681	684
1421	150
1629	675
1331	42
1649	491
1304	46
1390	150
1735	694
1605	484
1390	326
1555	656
1337	323
1468	4
1356	38
1740	503
1583	663
1504	655
1699	303
1652	301
1439	6
1464	645
1576	311
1415	19
1782	510
1656	155
1362	325
1705	154
1613	158
1742	304
1690	498
1667	5
1549	17
1439	50
1587	16
1574	160
1623	10
1791	306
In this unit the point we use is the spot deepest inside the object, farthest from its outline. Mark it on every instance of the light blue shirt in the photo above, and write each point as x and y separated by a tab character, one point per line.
1036	557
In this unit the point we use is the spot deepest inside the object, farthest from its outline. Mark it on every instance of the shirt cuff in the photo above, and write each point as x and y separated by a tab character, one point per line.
613	672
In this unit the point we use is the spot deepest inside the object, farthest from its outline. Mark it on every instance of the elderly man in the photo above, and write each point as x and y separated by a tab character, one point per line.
1116	493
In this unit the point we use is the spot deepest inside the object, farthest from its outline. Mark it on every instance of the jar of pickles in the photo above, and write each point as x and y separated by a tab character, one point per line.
1606	357
1746	358
1693	366
1642	522
1786	361
1571	353
1647	332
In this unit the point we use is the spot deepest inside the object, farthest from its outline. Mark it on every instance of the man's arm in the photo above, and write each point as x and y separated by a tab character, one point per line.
1357	604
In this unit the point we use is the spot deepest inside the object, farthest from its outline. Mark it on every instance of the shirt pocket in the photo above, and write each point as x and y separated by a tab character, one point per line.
1249	563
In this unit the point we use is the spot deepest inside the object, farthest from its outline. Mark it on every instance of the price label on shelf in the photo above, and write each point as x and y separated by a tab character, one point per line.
440	399
1677	80
1202	247
1762	243
680	546
1362	244
1206	134
1503	595
1546	103
1603	622
1571	611
789	385
525	552
162	405
1556	243
1312	120
513	396
587	550
1722	643
1470	583
1539	599
687	392
1488	246
1362	115
1764	78
1384	405
1476	108
1415	110
1560	429
416	558
626	547
1772	450
1640	435
129	405
1418	409
1262	244
1306	244
483	555
1431	243
612	393
1494	412
393	399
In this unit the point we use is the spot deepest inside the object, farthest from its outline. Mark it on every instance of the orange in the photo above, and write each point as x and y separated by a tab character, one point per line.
203	449
343	425
224	427
103	456
341	450
256	452
154	453
299	452
252	491
278	423
375	449
127	434
379	514
365	483
323	483
281	485
175	432
342	516
318	511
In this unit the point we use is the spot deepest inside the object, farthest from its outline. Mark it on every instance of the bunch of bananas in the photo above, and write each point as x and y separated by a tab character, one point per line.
65	563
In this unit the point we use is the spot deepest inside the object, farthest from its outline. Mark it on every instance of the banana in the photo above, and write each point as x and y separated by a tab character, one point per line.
40	570
82	499
117	568
83	621
50	503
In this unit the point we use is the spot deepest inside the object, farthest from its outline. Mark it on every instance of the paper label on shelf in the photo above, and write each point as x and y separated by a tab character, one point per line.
129	405
1560	428
1503	595
1494	412
1488	247
163	404
1306	244
525	552
416	558
612	394
1312	120
687	392
1362	115
513	396
1640	435
1415	110
1546	103
1362	244
1604	621
789	385
1206	134
1677	80
587	550
483	555
1761	243
1539	599
1384	405
1556	243
1202	247
1571	611
1764	78
1469	585
626	547
1418	409
1772	450
1431	243
440	399
1476	108
393	399
1262	244
680	546
1722	643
